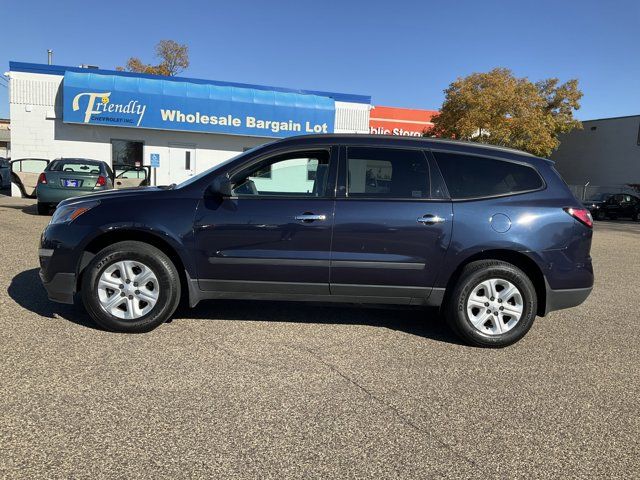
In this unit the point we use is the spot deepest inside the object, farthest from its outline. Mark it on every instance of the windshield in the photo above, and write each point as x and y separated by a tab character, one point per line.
599	197
200	175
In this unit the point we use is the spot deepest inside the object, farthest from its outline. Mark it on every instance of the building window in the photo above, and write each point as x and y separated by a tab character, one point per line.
126	152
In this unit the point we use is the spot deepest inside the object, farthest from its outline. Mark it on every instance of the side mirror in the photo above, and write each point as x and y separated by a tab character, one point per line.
221	187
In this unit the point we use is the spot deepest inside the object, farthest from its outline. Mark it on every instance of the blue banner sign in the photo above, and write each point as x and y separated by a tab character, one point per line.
123	101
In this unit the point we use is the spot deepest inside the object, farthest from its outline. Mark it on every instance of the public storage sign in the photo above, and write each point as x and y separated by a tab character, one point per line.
121	101
400	121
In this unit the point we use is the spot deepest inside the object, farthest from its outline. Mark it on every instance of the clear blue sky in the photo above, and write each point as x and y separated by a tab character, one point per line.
400	53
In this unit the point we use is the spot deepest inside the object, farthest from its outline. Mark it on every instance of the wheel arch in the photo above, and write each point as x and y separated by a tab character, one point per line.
518	259
127	234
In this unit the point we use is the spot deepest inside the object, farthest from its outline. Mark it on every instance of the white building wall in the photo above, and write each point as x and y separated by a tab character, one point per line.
352	117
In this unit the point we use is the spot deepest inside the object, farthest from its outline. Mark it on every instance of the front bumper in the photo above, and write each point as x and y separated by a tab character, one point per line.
61	287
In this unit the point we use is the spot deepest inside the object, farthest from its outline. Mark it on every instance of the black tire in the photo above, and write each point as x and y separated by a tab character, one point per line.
164	270
43	208
636	216
600	215
472	275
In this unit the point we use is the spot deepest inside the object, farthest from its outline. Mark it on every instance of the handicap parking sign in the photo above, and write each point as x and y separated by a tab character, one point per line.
155	160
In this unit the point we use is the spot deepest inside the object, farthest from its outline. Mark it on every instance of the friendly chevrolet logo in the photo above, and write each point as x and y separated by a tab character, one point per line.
105	105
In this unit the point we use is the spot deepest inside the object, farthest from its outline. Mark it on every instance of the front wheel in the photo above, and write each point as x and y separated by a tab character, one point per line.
493	304
636	216
600	215
130	287
43	208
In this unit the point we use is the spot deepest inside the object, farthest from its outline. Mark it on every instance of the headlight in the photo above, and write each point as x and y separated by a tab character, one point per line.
68	213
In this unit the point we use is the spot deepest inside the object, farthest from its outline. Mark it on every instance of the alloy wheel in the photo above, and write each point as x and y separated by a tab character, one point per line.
495	306
128	290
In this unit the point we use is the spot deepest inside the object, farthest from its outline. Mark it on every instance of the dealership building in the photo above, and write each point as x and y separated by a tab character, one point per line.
185	125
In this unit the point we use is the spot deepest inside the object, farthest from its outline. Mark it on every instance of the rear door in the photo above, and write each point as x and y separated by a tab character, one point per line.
392	225
628	205
126	176
25	173
613	205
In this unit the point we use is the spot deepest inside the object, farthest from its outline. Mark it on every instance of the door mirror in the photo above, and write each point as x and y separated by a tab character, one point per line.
221	187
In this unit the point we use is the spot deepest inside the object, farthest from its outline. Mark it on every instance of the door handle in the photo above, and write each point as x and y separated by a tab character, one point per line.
310	217
430	219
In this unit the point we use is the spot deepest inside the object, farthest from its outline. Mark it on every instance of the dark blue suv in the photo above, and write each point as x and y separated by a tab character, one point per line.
492	236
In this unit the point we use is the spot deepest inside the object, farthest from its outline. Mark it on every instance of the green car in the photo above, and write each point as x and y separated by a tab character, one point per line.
71	177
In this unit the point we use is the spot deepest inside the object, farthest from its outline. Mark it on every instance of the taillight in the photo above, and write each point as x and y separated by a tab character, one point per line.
582	215
42	178
101	182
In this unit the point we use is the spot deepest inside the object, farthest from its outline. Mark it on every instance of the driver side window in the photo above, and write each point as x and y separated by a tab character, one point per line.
300	174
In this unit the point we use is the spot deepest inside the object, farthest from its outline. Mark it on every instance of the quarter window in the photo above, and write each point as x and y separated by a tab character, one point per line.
387	173
469	176
300	174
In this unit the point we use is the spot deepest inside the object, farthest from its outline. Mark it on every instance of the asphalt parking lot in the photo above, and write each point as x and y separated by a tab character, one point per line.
281	390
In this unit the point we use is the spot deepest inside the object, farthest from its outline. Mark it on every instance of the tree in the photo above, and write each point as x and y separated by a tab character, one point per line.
500	109
174	59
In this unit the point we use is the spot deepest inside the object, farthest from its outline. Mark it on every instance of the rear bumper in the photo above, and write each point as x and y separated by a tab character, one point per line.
61	287
565	298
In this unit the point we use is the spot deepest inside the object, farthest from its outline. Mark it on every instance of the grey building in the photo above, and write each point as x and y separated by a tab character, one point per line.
605	154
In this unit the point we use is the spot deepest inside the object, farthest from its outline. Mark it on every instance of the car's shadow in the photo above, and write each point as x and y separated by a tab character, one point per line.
28	292
28	209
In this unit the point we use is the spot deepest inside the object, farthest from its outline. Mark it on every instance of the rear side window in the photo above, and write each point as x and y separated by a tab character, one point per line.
387	173
469	176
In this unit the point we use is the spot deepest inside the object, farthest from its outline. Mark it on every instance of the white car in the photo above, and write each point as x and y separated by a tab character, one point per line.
5	173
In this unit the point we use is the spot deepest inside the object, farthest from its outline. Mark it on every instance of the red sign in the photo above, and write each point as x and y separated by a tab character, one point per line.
400	121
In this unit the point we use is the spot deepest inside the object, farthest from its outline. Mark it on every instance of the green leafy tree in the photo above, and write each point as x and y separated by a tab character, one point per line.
174	58
498	108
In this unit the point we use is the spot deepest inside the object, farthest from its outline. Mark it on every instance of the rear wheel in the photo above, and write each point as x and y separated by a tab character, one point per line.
130	287
493	304
43	208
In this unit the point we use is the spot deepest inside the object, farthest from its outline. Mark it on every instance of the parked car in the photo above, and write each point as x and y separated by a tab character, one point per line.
596	201
492	236
5	173
71	177
25	173
619	205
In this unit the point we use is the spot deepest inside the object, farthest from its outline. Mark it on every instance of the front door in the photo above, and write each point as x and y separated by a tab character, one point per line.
274	234
182	162
392	229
